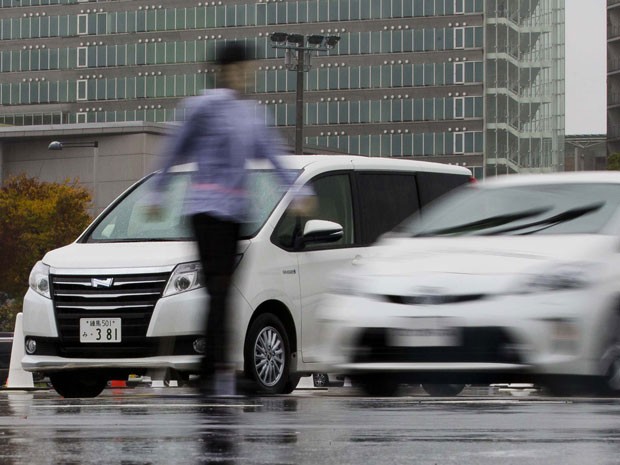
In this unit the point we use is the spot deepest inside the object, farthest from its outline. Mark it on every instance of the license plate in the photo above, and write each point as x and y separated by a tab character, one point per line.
425	332
100	330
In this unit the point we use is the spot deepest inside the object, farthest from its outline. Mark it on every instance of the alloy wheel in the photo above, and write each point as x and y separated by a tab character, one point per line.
269	356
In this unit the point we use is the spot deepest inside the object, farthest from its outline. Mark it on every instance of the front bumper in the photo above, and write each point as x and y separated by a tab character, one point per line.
501	336
184	363
364	367
167	342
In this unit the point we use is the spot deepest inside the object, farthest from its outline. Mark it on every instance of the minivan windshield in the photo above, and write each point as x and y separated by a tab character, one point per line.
518	210
127	221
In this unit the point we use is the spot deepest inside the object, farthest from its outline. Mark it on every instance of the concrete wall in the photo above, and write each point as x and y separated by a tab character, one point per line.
122	158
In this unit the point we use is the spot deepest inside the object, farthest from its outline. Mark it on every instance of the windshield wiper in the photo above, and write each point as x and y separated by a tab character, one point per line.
554	220
485	223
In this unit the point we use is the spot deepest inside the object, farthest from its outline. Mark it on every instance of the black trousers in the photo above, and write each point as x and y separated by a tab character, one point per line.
217	246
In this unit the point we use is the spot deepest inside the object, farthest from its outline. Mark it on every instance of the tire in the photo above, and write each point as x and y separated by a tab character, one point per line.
181	378
320	379
268	356
73	385
292	383
443	390
568	386
609	382
380	385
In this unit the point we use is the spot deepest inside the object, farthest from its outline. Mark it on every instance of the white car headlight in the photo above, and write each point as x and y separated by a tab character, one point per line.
39	280
185	277
560	277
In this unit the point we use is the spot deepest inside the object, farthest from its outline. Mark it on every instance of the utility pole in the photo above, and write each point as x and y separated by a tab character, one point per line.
297	58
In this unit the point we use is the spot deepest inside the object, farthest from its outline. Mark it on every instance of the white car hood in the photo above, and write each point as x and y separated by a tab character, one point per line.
471	265
122	256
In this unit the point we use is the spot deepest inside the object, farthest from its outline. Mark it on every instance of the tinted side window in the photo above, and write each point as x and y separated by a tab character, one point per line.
335	204
386	199
434	185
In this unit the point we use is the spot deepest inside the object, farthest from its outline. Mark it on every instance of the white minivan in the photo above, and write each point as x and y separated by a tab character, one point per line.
127	296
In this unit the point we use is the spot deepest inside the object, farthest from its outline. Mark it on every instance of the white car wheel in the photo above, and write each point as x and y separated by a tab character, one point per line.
443	390
610	360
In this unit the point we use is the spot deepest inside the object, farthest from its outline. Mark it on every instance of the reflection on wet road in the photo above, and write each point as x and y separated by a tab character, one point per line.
147	426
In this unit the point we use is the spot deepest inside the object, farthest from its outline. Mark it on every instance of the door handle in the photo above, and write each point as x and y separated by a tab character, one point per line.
357	260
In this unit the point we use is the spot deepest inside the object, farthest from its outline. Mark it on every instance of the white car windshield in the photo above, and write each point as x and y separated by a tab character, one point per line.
518	210
126	220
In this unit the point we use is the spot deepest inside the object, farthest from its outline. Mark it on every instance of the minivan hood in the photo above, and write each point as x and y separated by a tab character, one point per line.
123	255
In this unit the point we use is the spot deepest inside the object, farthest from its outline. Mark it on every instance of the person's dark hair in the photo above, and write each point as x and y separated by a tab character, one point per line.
233	52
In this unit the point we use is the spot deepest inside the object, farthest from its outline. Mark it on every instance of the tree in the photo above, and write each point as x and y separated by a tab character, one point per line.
613	161
35	217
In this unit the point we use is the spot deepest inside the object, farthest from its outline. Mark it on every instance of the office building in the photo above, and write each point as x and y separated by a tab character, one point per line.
613	76
473	82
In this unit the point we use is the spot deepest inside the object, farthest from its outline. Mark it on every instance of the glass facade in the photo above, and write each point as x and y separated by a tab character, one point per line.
407	77
525	86
613	78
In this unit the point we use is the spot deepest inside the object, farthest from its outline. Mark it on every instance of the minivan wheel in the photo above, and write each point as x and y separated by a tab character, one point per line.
74	384
443	390
291	385
268	355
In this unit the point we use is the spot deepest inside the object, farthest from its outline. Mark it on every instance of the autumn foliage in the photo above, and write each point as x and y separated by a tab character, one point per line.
36	217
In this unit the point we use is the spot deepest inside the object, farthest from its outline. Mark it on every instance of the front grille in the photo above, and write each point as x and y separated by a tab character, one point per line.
129	297
476	345
433	299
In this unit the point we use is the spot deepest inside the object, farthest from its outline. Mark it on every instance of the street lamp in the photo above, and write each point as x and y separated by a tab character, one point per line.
59	145
297	58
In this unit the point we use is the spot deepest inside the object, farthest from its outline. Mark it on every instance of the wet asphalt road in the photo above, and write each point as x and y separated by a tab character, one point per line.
335	426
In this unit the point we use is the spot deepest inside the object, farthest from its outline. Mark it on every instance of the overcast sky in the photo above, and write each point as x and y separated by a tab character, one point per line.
586	68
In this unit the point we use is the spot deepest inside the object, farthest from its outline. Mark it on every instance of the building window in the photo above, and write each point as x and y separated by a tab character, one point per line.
459	73
459	7
82	24
459	104
459	37
81	57
81	89
429	109
459	144
102	23
80	117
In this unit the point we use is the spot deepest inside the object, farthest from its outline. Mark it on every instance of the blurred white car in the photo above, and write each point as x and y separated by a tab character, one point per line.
511	280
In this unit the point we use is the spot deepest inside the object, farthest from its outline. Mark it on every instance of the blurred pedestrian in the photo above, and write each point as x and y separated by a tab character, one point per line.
221	132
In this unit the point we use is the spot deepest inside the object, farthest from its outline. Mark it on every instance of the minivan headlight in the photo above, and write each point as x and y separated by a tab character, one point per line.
185	277
559	277
39	280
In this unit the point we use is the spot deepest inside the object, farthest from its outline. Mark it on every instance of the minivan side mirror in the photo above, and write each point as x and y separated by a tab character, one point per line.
320	231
